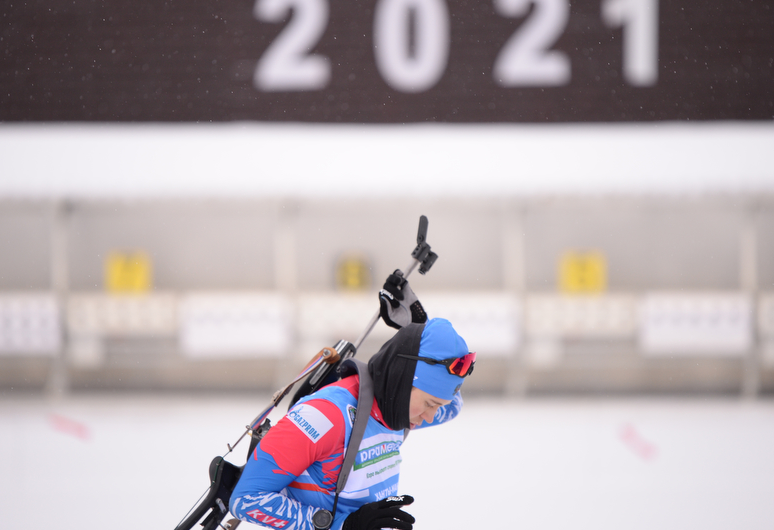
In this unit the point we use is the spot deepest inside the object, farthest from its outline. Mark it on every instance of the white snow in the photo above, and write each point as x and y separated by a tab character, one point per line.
604	464
386	161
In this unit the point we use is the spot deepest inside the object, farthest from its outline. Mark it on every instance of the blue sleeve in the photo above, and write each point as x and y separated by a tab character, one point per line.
257	498
276	489
446	412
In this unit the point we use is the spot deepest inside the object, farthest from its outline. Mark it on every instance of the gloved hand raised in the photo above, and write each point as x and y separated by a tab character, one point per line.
398	305
385	513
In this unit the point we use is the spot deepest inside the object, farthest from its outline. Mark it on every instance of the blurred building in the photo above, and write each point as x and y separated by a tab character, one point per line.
199	196
625	294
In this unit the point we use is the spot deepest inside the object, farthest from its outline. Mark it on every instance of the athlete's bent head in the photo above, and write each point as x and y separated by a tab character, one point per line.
418	370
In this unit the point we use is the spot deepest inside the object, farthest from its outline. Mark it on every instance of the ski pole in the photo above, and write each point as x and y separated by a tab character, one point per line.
374	319
325	356
217	495
421	256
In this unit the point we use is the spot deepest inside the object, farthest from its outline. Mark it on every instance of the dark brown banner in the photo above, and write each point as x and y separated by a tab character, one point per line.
387	61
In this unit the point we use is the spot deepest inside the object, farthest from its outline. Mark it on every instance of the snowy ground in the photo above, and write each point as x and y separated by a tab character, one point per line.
612	464
422	160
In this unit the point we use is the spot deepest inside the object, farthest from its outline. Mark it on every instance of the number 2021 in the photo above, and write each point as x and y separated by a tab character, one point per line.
525	59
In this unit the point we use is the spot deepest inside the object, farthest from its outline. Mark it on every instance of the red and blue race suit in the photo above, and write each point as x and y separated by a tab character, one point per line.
293	471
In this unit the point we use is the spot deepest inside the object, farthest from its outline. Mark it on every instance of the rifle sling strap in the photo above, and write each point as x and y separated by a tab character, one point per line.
364	402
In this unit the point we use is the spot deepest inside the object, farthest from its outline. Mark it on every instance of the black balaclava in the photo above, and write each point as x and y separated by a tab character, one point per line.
393	376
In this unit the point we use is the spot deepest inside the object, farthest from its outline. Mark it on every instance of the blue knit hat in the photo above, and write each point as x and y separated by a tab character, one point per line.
439	341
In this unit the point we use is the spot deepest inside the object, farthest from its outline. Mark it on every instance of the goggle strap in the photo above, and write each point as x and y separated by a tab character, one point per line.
467	361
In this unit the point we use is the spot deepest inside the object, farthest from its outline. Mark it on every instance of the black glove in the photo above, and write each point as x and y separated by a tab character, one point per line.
398	305
385	513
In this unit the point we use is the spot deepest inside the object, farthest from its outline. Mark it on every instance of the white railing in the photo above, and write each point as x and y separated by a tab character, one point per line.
766	315
105	315
29	324
235	325
490	322
697	323
581	316
496	324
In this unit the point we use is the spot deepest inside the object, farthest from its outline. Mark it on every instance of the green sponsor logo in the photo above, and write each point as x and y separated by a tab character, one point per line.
376	453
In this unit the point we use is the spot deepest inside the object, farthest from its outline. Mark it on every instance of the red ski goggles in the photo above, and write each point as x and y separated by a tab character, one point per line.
459	366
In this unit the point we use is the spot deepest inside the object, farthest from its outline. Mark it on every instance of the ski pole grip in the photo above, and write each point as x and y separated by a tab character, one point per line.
422	252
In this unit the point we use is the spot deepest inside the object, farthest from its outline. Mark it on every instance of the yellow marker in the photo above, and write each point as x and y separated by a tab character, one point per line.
353	273
583	272
128	272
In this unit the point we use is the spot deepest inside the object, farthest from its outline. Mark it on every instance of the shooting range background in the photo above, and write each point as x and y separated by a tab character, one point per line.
196	197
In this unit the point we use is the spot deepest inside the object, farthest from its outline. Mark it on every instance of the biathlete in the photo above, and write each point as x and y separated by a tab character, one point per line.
292	473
